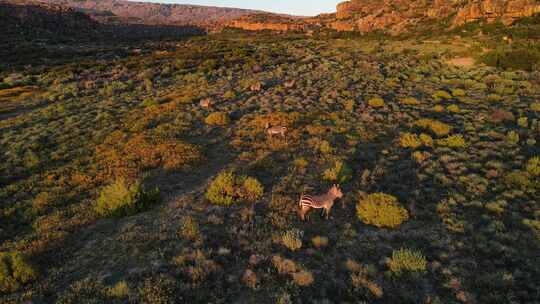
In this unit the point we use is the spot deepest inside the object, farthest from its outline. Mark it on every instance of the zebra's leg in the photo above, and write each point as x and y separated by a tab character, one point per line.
303	211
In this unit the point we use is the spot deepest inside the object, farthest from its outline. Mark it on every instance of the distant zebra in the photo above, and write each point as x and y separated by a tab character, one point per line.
271	131
324	201
206	103
289	84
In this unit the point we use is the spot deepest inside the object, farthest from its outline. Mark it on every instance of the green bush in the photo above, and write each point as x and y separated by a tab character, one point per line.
518	179
409	101
512	138
222	190
453	141
228	188
409	140
218	119
189	228
381	210
376	102
15	271
441	95
339	173
453	108
437	127
406	260
512	59
121	198
533	166
292	239
252	190
458	93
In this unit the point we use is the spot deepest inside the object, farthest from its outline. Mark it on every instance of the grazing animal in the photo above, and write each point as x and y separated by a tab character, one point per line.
256	87
289	84
206	103
324	201
271	131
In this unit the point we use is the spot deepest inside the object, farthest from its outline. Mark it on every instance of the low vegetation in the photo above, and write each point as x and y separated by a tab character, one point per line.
121	198
381	210
436	158
406	260
229	188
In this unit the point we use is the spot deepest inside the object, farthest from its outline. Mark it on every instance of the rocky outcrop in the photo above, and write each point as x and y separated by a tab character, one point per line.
273	22
491	10
396	16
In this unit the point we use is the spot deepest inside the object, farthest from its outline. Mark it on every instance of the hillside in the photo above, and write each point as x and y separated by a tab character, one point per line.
155	13
27	20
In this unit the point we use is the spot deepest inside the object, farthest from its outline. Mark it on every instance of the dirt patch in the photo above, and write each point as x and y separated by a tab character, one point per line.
462	62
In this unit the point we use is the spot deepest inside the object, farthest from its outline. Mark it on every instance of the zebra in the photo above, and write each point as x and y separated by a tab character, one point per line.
324	201
289	84
271	131
206	103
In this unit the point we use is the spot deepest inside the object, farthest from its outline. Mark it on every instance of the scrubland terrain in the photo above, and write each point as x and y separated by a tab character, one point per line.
117	186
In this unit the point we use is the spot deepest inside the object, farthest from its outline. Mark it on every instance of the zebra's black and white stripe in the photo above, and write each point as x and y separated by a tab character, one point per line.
324	201
271	131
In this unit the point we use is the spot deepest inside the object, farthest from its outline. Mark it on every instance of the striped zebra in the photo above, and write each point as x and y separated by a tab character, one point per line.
324	201
271	131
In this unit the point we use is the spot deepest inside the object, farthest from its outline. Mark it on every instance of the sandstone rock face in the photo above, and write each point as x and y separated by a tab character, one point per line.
395	16
491	10
273	22
260	26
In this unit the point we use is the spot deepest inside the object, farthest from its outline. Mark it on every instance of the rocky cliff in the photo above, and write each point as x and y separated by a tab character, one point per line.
396	16
265	21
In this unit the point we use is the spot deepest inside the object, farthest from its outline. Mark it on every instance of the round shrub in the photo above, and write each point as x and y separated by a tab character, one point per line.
218	119
381	210
339	173
121	198
441	95
453	141
252	189
222	190
409	101
409	140
406	260
437	127
376	102
228	188
458	93
292	239
453	108
15	271
533	166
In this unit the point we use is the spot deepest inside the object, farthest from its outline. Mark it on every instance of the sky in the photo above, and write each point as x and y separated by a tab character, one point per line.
293	7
